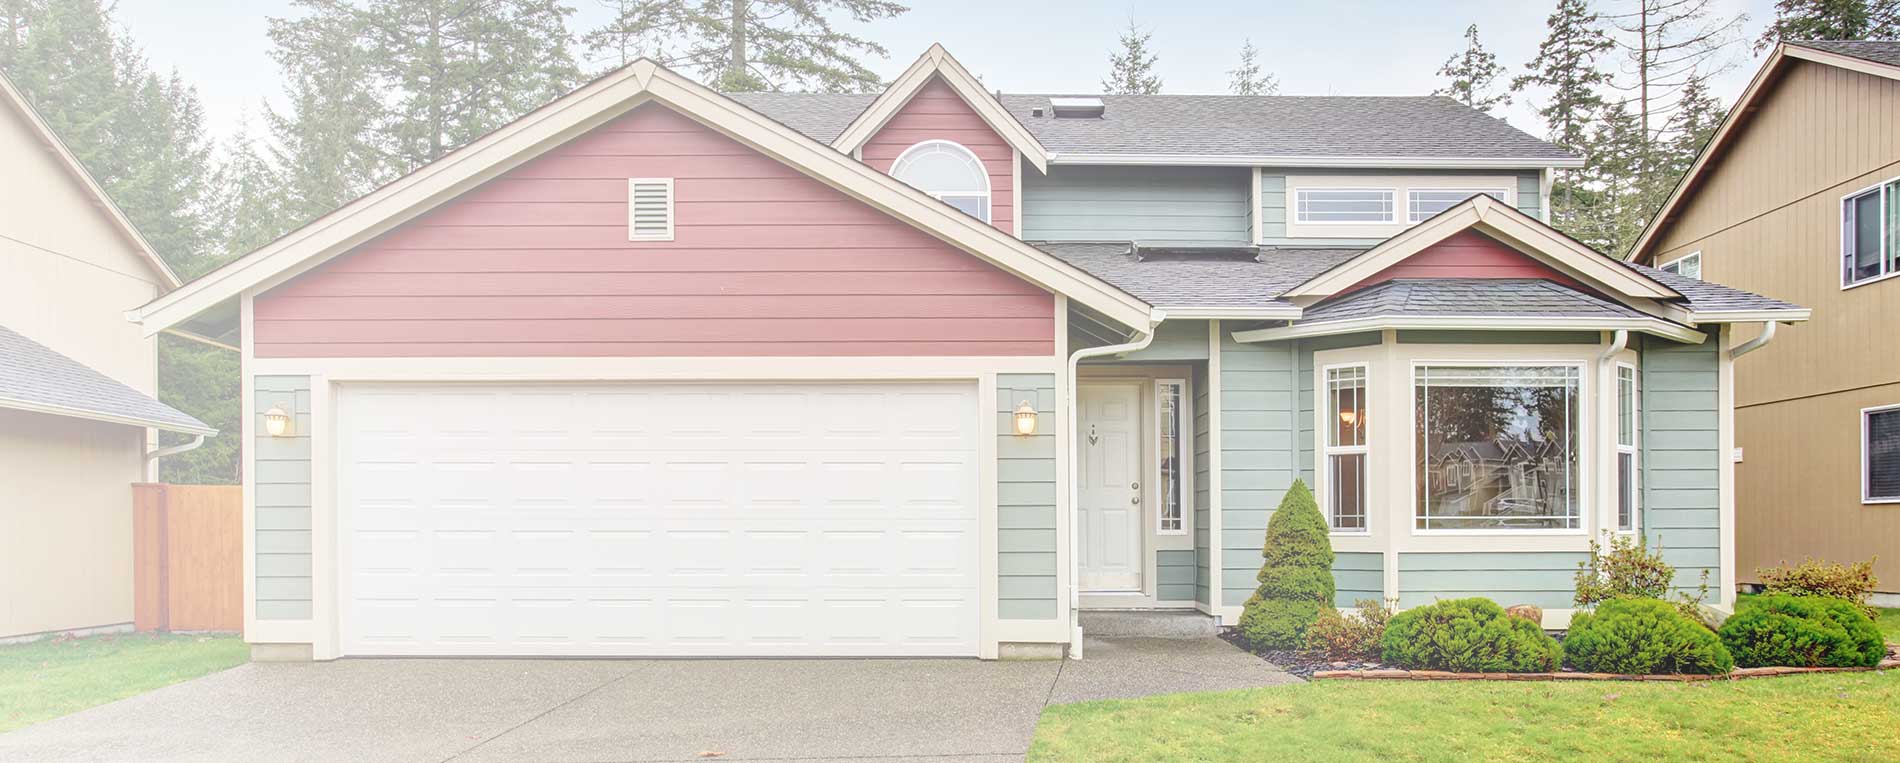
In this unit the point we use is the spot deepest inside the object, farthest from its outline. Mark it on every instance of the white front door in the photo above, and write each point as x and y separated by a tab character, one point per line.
1110	511
708	519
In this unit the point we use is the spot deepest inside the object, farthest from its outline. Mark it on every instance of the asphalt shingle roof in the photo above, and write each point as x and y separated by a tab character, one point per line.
35	377
1225	281
1494	297
1234	125
1878	51
1707	297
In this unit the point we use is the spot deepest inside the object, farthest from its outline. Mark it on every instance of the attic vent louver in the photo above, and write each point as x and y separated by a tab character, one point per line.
1077	107
649	209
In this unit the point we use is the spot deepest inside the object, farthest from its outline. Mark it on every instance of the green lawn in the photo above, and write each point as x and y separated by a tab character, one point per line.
54	677
1835	717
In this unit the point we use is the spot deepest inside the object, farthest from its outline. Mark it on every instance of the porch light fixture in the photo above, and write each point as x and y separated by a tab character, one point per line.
1025	419
277	422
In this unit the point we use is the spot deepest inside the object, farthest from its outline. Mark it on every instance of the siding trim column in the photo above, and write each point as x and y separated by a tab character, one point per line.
1216	601
1725	463
1401	515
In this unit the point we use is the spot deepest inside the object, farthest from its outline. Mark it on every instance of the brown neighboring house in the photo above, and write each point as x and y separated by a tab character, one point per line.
1798	197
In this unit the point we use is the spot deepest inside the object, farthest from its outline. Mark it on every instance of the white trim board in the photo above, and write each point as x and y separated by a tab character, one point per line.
1654	326
937	62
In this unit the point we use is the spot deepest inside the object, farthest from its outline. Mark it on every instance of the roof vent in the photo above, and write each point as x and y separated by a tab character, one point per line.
1077	107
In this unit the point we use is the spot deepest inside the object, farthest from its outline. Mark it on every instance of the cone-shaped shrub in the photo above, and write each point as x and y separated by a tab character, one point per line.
1296	582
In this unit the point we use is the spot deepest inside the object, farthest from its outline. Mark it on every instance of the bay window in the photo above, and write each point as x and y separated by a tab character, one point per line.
1497	447
1344	422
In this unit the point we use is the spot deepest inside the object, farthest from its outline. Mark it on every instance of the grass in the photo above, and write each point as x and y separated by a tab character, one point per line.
54	677
1833	717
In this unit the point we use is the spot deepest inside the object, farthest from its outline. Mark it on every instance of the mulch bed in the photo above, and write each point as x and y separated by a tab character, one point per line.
1311	667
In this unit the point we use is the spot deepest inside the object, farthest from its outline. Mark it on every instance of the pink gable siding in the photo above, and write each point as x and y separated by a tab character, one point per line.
765	261
1468	254
936	112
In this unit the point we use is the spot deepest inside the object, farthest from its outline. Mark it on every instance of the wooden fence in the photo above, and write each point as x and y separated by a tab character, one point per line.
188	557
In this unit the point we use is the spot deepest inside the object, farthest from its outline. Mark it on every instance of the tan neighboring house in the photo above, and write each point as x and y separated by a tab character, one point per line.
1798	197
78	417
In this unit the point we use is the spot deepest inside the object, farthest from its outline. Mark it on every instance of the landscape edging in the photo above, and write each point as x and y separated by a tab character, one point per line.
1443	675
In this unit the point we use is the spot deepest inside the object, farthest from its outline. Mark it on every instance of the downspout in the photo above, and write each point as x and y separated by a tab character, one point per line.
1767	335
1155	317
154	455
1618	341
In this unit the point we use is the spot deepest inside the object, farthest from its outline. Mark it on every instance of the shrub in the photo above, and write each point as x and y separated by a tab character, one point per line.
1802	632
1643	636
1338	637
1853	582
1468	635
1296	582
1631	571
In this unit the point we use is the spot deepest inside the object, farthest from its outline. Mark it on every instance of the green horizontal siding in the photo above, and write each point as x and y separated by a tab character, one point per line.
1174	575
1150	204
1681	457
1258	446
281	493
1358	575
1545	579
1175	341
1026	501
1203	500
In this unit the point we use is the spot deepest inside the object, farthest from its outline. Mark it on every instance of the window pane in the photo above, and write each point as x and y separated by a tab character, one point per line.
1344	206
1347	492
1863	232
974	206
1626	491
1497	447
1883	454
1625	406
1893	226
1346	391
1168	403
1424	204
948	172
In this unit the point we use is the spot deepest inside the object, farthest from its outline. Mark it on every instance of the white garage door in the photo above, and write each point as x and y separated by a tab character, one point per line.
690	519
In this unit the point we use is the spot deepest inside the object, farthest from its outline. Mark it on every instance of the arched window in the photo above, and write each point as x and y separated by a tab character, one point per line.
949	172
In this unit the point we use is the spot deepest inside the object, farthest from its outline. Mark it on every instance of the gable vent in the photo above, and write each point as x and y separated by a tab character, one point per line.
1077	107
649	209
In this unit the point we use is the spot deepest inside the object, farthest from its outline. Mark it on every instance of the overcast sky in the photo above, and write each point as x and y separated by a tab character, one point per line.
1343	47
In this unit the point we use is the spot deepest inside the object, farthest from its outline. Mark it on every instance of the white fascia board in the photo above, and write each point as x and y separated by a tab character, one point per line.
937	61
1751	316
1285	313
1346	162
592	105
81	413
1653	326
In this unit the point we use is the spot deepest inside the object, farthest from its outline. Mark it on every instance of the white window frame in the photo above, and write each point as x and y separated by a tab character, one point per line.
1866	456
1323	407
983	171
1502	196
1695	256
671	209
1391	218
1890	266
1585	444
1183	457
1633	449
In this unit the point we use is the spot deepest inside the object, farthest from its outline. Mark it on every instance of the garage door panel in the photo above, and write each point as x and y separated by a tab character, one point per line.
661	520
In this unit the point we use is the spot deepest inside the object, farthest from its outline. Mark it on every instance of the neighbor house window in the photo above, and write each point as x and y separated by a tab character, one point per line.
1690	266
1171	412
1345	424
1869	244
1497	447
1343	205
949	172
1626	423
1880	454
1423	203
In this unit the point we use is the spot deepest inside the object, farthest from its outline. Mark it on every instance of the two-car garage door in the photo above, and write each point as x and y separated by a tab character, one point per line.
677	519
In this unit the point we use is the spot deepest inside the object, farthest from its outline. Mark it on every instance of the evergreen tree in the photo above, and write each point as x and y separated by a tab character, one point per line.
1694	123
15	17
203	381
1248	79
1566	71
167	172
248	199
325	152
1832	20
1474	73
749	45
1131	65
1296	580
1621	197
1667	44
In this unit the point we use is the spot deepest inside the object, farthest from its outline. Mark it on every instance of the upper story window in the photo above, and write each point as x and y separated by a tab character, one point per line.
1497	447
1870	246
1690	265
949	172
1343	205
1423	203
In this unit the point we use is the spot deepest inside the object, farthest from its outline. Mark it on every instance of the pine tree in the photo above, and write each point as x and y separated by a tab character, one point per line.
168	166
749	45
1296	579
1620	199
16	16
1668	43
325	148
1566	69
1832	20
1697	116
1474	72
1248	79
248	198
1131	65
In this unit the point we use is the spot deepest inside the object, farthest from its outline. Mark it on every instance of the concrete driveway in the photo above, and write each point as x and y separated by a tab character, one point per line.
914	711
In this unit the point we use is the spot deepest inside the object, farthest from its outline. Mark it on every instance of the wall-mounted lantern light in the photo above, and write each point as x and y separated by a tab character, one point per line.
277	422
1025	419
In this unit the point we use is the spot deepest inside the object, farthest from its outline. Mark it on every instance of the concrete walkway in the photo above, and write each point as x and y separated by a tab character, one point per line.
914	711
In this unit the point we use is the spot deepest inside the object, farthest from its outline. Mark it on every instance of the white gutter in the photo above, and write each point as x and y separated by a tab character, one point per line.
1155	317
1268	160
1767	335
1618	341
174	450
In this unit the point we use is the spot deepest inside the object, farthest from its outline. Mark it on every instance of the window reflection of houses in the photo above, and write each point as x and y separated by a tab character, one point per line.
1504	479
